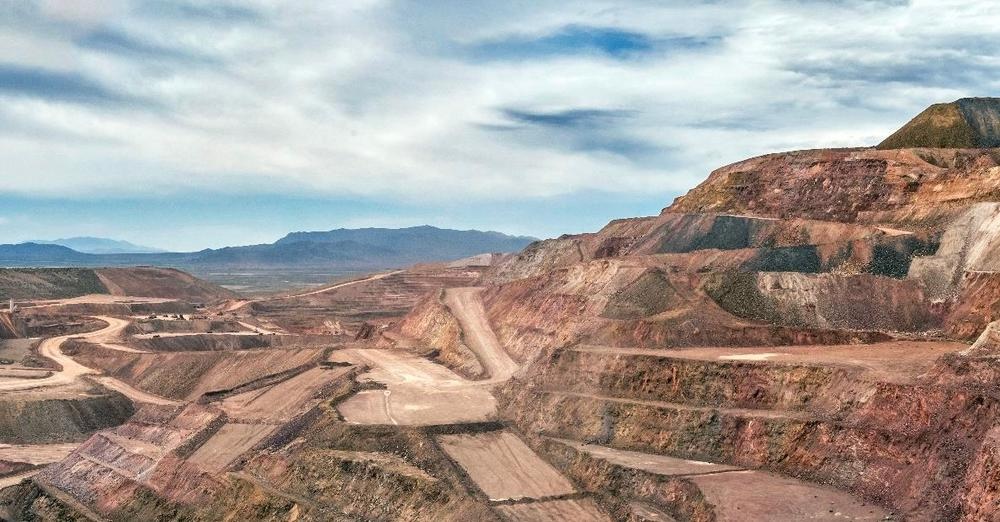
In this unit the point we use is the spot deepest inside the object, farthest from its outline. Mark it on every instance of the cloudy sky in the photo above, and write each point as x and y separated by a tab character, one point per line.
187	124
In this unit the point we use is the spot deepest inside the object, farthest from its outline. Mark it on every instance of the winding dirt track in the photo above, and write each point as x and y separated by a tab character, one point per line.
72	370
466	304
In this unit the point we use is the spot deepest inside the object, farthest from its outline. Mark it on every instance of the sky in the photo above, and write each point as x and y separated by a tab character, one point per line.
189	124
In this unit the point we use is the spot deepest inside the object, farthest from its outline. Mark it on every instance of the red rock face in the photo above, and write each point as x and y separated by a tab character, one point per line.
848	184
808	248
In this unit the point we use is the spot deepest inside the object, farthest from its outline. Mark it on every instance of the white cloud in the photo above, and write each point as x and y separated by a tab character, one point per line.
378	99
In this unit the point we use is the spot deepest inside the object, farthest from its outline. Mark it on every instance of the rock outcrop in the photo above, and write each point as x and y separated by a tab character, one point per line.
968	123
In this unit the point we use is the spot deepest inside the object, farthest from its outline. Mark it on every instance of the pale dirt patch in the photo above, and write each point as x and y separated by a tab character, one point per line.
231	441
659	464
282	401
418	392
575	510
466	305
756	495
504	467
749	356
36	454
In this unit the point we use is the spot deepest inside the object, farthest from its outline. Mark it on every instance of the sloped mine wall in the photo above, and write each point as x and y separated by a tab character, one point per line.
24	420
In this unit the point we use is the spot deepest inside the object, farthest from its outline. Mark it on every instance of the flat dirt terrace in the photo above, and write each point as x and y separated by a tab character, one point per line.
738	494
896	361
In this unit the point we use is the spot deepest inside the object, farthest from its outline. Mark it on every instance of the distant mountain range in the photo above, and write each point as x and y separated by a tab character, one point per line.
99	245
341	249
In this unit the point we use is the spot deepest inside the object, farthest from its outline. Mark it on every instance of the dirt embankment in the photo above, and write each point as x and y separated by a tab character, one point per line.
851	302
64	417
976	305
46	325
149	326
188	375
904	444
199	463
125	308
749	243
343	309
166	283
219	341
433	325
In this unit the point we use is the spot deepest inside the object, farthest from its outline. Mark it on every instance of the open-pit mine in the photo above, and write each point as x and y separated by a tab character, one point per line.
806	335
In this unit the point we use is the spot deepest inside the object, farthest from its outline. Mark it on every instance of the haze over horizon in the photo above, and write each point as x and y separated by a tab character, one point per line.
186	125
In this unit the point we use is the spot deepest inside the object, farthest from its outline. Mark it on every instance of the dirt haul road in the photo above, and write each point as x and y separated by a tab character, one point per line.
342	285
466	304
72	370
240	303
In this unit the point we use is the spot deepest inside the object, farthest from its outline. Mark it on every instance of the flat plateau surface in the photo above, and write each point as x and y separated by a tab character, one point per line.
504	467
416	392
756	495
738	494
36	453
575	510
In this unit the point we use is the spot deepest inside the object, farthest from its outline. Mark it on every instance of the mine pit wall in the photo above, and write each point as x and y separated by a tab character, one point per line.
906	446
843	184
434	326
583	302
766	244
852	302
614	484
221	342
188	375
27	421
331	469
730	384
976	304
56	325
120	309
144	326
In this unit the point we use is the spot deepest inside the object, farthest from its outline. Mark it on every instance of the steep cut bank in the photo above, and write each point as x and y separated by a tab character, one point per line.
64	415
